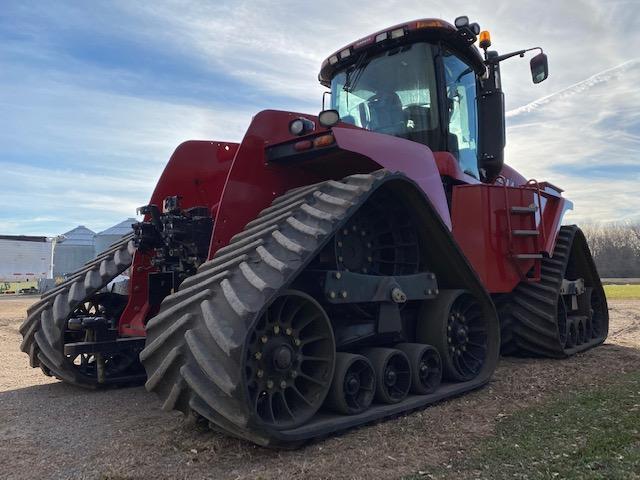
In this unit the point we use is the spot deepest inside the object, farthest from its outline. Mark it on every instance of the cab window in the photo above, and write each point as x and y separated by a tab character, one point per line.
461	106
393	92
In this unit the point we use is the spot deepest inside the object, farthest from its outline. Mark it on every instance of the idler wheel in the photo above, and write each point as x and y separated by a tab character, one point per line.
393	374
353	386
454	324
426	367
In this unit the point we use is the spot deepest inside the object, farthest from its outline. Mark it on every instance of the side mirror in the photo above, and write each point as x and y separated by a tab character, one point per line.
539	68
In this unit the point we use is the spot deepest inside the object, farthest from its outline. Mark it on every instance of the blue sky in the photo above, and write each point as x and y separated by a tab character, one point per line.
94	96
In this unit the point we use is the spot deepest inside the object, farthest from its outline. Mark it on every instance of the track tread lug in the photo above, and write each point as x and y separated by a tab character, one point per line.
252	277
272	261
167	361
165	336
222	331
287	243
209	366
306	229
172	399
202	388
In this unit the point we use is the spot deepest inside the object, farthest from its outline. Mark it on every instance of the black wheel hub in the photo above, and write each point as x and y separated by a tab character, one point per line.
283	357
458	331
467	336
424	371
290	361
390	376
352	384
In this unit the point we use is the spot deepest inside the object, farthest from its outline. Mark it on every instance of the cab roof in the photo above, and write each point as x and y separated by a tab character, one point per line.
425	29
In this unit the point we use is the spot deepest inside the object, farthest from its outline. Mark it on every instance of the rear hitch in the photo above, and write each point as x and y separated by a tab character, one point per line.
177	240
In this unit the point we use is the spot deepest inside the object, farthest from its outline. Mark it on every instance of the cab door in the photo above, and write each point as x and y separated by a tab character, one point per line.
460	111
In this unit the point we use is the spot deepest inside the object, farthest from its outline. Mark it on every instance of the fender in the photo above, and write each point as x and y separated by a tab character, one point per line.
253	182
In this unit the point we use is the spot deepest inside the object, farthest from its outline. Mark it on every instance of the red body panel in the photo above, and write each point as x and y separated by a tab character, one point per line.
253	182
235	181
196	171
480	227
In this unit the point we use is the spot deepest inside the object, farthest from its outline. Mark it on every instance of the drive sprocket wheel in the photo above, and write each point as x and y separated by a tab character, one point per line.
379	240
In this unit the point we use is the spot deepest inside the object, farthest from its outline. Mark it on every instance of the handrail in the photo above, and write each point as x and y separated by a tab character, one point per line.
537	186
507	210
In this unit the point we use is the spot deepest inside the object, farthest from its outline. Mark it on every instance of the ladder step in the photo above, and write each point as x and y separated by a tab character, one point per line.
527	256
524	209
525	233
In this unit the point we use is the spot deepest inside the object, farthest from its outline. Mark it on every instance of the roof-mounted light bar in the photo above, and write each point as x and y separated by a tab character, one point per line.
393	33
381	37
465	33
397	33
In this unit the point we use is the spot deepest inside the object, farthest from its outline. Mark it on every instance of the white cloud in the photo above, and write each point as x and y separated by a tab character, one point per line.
59	124
278	46
90	157
585	139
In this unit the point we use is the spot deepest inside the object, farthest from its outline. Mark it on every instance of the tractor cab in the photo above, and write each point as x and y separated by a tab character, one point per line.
425	81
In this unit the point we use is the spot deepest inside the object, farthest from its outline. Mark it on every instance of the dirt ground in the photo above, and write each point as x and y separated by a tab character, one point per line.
50	430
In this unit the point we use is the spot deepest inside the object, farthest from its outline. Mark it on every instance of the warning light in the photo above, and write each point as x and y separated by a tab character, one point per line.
485	40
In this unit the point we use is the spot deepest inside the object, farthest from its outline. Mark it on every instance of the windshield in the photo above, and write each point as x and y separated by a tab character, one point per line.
393	93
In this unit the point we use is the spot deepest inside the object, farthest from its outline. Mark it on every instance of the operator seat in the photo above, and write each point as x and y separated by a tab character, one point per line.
386	114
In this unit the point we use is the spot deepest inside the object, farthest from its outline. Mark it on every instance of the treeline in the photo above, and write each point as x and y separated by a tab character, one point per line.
615	249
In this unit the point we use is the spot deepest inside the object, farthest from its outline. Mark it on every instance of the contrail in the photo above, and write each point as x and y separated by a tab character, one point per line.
600	77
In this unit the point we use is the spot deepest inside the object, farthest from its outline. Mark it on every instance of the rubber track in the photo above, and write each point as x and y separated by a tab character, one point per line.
43	330
529	324
193	354
195	344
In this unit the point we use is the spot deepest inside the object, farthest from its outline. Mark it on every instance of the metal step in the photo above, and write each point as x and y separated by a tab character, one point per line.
525	233
527	256
523	210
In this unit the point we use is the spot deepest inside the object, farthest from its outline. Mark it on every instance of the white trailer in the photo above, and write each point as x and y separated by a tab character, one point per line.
24	258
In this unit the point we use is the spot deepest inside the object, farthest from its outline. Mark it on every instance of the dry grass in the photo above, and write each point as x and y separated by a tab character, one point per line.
48	429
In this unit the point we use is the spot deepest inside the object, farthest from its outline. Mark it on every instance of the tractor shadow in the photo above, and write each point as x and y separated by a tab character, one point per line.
68	431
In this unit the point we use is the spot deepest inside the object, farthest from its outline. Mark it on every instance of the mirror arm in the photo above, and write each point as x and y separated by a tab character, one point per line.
499	58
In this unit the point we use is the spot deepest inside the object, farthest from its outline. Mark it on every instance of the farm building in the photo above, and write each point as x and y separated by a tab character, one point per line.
24	258
111	235
72	250
29	258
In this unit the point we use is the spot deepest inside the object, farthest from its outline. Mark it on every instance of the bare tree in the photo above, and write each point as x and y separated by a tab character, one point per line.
615	249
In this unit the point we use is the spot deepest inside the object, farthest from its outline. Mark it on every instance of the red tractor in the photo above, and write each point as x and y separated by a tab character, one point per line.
331	271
